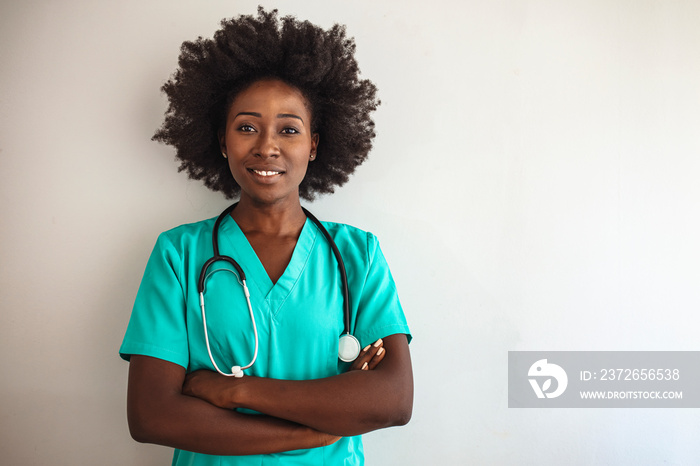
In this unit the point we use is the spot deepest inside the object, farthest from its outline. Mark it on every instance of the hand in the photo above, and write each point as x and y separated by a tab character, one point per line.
369	357
327	439
212	387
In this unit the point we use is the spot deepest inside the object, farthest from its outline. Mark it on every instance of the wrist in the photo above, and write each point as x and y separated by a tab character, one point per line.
312	438
236	394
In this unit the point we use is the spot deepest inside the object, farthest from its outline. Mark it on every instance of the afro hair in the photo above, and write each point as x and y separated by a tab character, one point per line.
320	63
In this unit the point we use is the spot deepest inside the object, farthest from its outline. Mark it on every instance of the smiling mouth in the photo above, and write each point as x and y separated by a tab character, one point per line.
265	173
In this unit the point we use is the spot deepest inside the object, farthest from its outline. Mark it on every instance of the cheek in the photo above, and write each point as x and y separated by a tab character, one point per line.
235	170
302	162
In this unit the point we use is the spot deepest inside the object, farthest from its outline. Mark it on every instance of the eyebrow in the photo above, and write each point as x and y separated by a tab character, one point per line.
279	115
289	115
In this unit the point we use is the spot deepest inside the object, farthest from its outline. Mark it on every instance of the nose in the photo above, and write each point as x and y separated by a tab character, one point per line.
267	145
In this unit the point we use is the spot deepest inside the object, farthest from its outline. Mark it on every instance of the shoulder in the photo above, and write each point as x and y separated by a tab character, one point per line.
350	239
185	240
188	232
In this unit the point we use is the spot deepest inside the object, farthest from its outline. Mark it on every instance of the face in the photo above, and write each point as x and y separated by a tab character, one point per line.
268	141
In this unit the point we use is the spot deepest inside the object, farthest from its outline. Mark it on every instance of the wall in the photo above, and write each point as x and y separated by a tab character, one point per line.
533	184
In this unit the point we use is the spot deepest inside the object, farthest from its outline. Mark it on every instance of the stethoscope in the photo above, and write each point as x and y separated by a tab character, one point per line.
348	345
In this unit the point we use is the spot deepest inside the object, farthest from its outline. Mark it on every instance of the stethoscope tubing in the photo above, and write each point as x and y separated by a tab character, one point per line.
341	266
237	371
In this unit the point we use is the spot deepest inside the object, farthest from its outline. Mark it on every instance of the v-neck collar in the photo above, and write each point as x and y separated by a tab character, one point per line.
275	294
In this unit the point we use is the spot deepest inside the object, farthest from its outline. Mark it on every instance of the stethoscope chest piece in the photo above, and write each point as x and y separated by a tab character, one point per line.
348	348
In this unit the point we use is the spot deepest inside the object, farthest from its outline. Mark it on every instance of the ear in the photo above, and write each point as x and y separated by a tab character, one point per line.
222	141
314	146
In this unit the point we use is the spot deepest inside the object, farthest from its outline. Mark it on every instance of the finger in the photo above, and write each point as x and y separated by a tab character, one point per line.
378	356
366	355
362	358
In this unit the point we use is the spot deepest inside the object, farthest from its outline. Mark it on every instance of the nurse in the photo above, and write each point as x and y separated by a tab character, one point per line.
267	112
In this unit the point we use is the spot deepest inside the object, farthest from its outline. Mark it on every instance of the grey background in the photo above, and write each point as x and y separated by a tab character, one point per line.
533	184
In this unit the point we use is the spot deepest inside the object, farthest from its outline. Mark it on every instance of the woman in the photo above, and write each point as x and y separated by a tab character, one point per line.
267	112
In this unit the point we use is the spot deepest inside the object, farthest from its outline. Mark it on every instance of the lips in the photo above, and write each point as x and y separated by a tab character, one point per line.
266	172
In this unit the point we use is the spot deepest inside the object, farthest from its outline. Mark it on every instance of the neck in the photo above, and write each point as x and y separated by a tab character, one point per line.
285	218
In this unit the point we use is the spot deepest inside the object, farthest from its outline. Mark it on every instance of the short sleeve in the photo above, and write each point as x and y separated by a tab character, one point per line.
379	312
158	327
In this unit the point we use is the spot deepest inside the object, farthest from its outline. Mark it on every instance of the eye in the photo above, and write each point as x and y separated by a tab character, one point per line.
246	129
290	130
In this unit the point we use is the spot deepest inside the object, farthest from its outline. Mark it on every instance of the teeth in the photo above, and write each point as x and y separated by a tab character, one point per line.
264	173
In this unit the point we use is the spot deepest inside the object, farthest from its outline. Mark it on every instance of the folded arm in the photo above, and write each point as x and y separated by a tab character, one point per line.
352	403
158	412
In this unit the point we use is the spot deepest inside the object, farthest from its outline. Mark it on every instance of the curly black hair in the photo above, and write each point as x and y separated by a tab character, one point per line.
320	63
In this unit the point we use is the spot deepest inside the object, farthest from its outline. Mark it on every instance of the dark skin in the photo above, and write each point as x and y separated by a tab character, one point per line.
268	130
273	248
162	408
268	143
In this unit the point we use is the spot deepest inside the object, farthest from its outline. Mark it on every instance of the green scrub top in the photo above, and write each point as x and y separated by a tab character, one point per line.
299	318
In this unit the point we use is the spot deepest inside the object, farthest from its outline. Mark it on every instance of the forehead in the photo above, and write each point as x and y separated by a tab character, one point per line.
271	94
